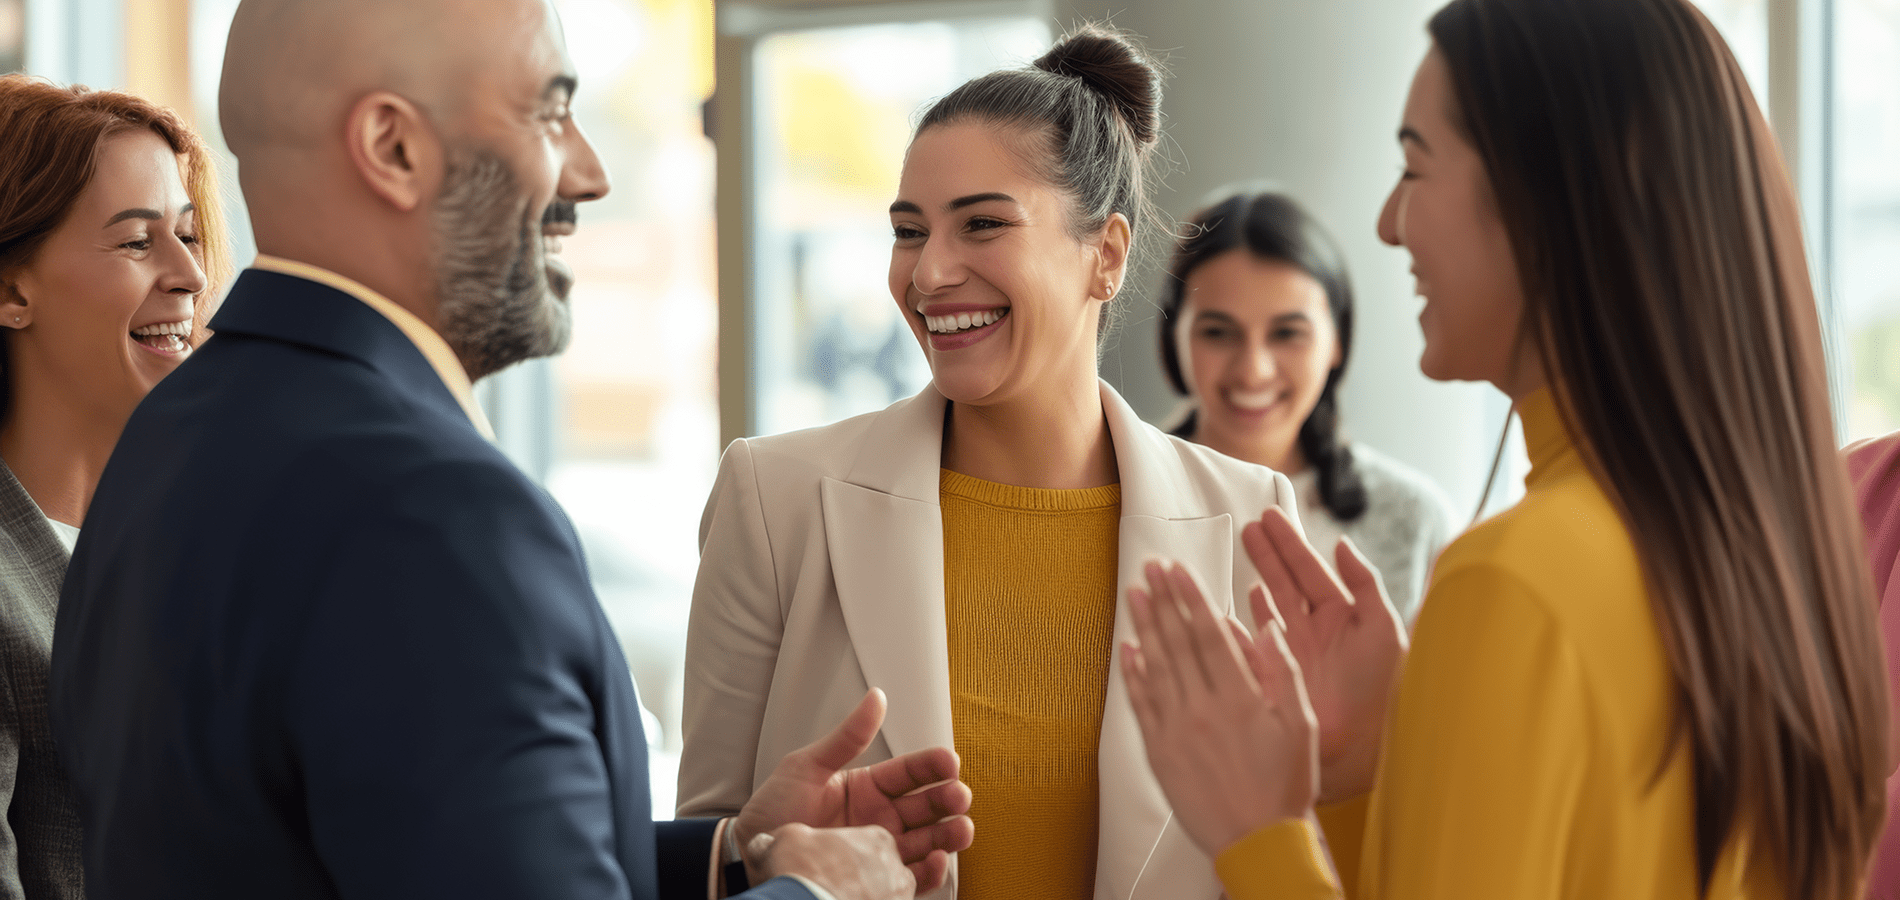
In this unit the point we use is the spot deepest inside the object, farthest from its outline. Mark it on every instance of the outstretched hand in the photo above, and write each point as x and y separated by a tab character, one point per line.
916	797
1229	732
1346	636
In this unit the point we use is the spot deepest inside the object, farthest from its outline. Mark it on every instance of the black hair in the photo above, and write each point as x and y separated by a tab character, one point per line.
1273	226
1094	102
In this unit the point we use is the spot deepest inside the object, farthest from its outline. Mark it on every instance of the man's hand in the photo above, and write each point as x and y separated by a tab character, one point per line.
916	797
1347	638
852	863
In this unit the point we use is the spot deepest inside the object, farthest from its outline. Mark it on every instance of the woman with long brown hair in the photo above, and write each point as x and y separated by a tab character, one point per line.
111	248
1658	674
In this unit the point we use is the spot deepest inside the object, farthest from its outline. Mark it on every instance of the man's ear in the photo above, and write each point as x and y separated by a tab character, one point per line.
1111	254
394	149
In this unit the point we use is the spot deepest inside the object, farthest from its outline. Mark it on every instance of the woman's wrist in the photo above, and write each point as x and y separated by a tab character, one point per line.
1349	775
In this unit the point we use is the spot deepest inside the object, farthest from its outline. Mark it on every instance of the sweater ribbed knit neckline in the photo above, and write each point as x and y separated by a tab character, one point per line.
1028	499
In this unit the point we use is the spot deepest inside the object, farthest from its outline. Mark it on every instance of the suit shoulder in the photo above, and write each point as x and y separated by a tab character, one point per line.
283	423
827	451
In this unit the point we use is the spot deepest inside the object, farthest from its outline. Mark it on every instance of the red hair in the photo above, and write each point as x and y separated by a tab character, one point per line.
51	146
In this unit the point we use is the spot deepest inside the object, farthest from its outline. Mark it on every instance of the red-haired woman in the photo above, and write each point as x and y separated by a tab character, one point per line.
1658	675
109	224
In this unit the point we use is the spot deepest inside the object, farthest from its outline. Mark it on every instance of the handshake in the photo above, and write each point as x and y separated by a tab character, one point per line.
878	832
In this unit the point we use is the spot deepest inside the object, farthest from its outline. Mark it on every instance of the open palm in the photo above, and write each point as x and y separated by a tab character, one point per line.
916	797
1344	633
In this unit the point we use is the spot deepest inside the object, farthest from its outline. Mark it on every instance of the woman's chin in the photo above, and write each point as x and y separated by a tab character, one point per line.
968	388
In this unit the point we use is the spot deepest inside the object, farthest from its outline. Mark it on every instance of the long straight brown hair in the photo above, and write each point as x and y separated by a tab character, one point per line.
1659	243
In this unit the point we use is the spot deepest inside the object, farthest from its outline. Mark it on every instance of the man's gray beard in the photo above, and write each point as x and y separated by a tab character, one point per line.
495	305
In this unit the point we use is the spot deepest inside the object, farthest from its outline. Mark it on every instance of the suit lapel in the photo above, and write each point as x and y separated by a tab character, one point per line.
884	533
37	565
1140	853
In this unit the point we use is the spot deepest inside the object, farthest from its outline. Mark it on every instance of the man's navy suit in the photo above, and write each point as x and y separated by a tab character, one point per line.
321	639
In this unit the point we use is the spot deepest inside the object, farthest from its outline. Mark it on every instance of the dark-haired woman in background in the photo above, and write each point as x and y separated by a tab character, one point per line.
109	222
1256	330
965	549
1659	674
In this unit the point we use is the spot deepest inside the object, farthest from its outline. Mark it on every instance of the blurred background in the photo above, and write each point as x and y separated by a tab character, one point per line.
733	283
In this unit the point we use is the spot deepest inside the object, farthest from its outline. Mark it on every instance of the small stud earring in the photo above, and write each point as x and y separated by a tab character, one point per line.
16	320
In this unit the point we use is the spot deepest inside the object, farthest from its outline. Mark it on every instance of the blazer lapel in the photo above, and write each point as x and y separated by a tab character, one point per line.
35	569
884	533
1140	853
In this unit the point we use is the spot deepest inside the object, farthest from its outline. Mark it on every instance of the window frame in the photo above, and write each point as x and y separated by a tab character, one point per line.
1801	79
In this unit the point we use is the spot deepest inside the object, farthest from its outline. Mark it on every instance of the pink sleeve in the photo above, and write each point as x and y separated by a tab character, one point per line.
1874	467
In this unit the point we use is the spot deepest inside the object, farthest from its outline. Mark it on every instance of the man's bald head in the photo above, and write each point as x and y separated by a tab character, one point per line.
292	68
423	148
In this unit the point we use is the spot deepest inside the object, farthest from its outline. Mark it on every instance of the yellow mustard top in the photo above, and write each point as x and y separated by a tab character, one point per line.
1525	754
1029	596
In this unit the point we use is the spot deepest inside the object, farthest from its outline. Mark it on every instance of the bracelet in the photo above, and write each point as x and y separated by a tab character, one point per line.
733	862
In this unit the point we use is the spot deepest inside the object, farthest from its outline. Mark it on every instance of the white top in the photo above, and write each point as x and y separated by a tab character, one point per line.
1406	522
67	534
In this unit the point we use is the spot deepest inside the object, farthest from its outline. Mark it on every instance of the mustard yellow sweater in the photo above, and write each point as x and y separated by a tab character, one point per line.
1029	594
1521	757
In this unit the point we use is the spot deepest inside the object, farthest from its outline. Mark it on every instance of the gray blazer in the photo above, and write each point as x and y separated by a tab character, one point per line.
40	836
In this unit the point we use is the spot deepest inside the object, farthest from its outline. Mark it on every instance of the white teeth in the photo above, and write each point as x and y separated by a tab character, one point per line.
169	343
175	328
955	322
552	243
1255	400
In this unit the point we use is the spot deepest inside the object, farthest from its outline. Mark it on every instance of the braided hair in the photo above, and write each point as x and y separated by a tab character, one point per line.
1272	226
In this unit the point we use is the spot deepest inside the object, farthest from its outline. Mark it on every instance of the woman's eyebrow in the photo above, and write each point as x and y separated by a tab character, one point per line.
150	215
905	206
1408	133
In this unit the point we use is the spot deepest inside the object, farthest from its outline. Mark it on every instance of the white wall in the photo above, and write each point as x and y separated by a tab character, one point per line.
1308	93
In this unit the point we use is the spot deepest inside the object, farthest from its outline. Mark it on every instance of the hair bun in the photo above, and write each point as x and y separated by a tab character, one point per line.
1114	66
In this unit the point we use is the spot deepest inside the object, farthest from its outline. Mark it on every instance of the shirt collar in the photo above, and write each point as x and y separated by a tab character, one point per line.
433	347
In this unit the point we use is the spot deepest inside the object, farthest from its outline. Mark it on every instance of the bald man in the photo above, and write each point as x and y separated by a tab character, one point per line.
319	638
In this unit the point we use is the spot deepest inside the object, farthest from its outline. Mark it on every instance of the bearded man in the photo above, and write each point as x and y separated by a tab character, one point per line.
319	638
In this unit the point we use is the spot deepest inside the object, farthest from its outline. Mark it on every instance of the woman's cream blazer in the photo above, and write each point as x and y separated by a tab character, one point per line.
821	574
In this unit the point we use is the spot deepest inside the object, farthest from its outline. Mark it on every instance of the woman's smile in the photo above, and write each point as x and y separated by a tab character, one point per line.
955	326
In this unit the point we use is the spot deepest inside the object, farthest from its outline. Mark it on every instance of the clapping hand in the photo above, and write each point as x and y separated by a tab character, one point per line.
1346	637
915	797
1229	732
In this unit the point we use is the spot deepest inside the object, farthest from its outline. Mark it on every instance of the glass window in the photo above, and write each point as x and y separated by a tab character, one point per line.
1744	24
835	108
638	432
1866	232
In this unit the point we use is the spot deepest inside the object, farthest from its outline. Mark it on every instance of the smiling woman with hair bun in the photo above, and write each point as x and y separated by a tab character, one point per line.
966	549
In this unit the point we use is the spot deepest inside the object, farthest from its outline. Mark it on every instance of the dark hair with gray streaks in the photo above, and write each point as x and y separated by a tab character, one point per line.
1091	107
